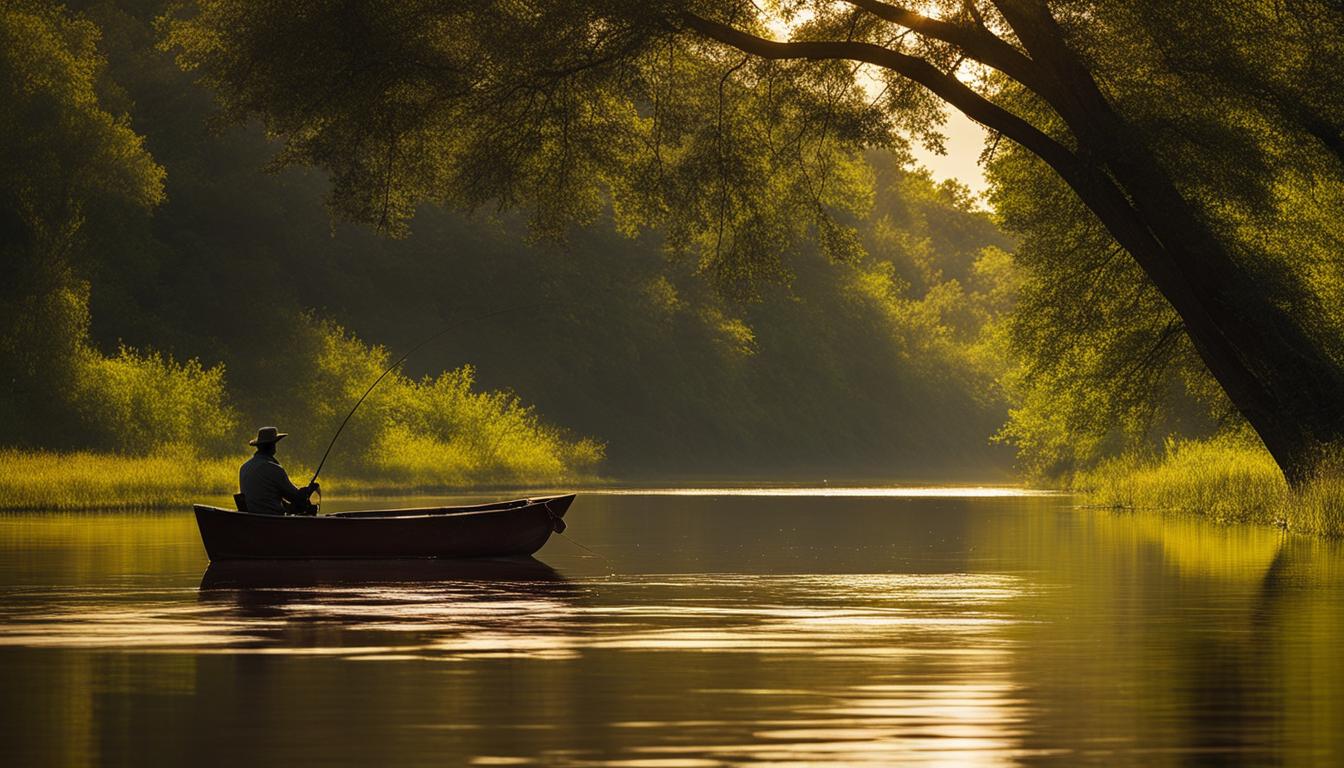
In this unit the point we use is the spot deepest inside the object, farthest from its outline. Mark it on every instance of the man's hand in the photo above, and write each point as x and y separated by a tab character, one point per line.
313	488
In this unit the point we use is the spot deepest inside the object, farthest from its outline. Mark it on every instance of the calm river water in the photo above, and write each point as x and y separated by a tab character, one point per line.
878	628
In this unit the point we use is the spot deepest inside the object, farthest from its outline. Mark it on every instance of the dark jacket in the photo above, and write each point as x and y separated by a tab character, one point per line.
264	483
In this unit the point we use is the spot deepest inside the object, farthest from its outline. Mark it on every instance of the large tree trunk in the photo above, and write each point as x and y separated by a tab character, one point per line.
1276	373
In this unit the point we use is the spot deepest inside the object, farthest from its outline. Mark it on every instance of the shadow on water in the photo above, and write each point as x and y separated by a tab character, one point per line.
291	574
380	607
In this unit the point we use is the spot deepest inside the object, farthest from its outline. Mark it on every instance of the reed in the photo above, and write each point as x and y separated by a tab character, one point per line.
177	476
173	476
1229	480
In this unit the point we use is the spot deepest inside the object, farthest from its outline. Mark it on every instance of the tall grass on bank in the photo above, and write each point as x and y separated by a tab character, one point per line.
1227	479
173	476
176	476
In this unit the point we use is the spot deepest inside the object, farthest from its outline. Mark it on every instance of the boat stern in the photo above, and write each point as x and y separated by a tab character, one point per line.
206	518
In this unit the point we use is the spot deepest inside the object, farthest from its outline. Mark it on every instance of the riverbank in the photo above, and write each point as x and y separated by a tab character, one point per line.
51	481
1229	481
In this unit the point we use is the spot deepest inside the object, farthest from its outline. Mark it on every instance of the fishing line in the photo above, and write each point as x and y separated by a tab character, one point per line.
402	359
599	556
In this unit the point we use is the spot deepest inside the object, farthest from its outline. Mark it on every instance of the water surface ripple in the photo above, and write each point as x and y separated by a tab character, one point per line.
705	630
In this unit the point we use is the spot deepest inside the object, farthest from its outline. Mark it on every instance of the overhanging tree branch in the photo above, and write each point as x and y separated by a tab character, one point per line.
1093	185
976	43
946	87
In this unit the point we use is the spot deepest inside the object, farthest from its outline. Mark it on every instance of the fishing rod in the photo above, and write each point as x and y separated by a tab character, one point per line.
402	359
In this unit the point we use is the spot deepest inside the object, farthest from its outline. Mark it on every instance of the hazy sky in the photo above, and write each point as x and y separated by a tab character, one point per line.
965	139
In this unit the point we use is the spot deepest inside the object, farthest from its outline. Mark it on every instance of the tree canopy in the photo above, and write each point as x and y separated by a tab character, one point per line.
236	300
715	201
70	164
732	126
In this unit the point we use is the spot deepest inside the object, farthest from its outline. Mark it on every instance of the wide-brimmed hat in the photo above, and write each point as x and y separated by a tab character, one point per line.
267	435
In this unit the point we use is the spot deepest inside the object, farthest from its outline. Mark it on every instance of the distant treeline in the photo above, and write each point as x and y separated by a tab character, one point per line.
184	295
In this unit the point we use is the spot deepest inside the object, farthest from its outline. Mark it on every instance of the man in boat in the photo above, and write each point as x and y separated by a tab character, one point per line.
264	484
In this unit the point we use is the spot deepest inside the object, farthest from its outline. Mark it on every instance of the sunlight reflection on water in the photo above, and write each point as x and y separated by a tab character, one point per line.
894	492
945	621
946	630
902	614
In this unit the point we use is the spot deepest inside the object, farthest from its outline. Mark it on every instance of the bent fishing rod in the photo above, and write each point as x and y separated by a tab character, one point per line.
402	359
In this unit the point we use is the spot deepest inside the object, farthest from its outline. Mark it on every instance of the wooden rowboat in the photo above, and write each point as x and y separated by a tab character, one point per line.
502	529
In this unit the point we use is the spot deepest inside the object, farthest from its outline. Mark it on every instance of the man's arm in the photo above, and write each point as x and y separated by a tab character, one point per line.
288	491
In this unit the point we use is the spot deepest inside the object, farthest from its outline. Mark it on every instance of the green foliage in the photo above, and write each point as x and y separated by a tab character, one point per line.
40	345
611	338
1103	365
65	149
876	356
135	403
71	164
71	395
68	162
1204	125
1318	506
1228	479
860	314
77	189
438	431
1239	114
568	109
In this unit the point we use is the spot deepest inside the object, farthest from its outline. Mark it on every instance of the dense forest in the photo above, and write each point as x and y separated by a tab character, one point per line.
670	248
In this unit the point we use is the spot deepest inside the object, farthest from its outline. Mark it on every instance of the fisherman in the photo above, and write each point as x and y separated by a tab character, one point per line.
264	484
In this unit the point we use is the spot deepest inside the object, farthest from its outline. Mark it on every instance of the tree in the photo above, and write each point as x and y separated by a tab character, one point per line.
67	160
1106	364
695	117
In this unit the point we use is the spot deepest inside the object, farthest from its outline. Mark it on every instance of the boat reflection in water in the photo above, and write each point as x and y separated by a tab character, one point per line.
394	609
294	574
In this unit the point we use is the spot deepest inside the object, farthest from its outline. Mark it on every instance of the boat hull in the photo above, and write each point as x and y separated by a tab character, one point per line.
498	530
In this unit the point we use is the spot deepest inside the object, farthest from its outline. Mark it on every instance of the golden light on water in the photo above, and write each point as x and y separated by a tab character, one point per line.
913	625
893	492
901	615
1004	630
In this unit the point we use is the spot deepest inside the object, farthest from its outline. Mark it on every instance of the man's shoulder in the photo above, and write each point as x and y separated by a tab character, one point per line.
260	461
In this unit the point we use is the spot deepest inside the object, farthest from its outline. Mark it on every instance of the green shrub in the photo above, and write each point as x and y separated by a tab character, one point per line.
134	402
167	419
439	431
